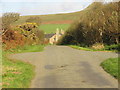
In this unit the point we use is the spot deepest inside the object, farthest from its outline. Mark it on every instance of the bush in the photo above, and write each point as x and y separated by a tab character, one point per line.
12	39
113	47
40	35
28	26
31	33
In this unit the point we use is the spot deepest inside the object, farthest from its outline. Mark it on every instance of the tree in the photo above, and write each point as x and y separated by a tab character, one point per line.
34	20
98	23
8	19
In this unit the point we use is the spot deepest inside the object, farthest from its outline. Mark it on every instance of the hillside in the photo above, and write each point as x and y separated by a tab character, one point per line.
65	18
53	21
86	15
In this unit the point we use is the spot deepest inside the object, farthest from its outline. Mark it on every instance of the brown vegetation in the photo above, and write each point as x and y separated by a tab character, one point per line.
27	33
8	19
12	39
98	46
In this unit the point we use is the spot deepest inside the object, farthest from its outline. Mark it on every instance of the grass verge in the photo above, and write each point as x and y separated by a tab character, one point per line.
90	49
111	66
18	74
81	48
27	48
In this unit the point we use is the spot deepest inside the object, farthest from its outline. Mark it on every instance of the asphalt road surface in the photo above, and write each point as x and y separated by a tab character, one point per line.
65	67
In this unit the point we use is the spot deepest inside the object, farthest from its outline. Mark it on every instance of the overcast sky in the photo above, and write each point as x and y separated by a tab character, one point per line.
42	7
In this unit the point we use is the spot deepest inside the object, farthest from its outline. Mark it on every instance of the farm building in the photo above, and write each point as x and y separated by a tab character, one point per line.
54	37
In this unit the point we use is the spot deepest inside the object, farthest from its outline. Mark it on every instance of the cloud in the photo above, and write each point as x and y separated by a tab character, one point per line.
46	0
41	8
106	0
68	6
1	10
58	0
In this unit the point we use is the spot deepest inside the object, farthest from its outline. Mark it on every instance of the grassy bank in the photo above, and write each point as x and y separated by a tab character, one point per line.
27	48
112	48
81	48
18	74
51	28
111	66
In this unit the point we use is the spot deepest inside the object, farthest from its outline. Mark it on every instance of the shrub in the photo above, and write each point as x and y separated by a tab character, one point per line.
31	32
39	34
12	39
28	26
113	47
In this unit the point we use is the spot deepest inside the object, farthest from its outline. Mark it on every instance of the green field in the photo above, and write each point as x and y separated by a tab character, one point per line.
51	28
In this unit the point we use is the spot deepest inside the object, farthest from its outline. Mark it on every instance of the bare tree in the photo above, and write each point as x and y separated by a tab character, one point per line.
8	19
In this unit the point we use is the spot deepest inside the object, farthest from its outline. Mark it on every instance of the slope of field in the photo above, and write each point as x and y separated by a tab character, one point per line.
64	18
53	21
51	28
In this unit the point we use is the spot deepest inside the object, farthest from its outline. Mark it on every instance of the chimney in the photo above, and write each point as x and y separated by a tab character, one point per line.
57	34
57	31
62	31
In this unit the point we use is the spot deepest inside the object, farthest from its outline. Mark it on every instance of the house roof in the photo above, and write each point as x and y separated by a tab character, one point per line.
49	35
